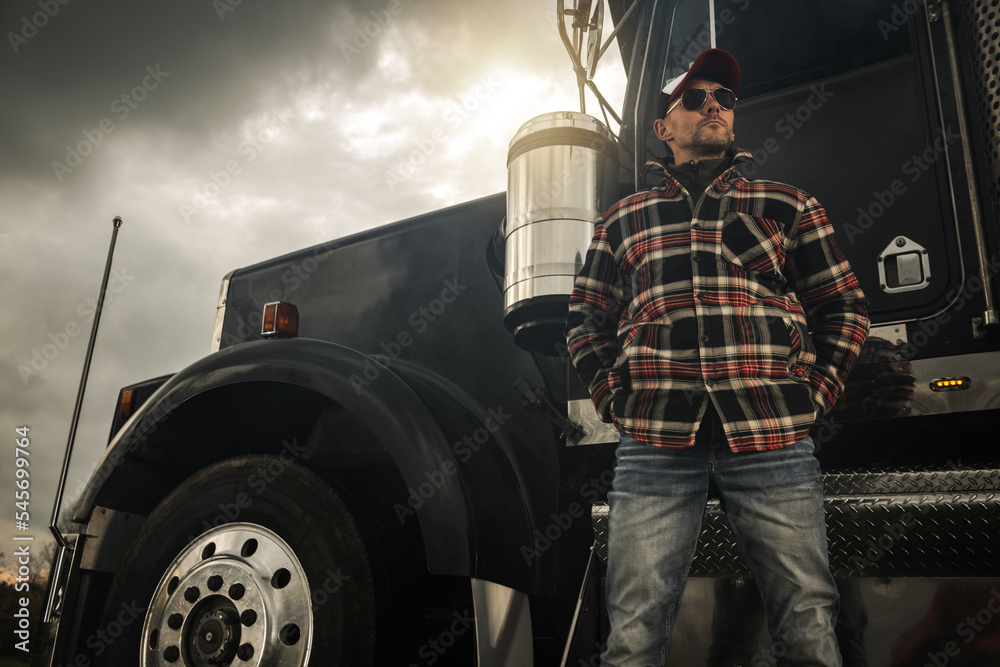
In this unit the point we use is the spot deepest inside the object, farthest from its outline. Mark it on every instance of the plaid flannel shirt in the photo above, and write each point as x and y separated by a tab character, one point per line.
680	302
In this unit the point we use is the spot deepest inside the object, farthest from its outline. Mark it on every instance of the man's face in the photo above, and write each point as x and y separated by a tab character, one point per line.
703	133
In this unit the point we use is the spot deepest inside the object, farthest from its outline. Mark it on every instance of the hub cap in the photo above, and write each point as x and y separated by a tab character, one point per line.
237	595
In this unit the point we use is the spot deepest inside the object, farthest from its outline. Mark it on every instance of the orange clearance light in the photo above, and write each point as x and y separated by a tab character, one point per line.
281	320
126	404
950	384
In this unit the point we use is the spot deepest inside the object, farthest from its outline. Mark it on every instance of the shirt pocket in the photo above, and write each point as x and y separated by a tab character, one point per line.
754	244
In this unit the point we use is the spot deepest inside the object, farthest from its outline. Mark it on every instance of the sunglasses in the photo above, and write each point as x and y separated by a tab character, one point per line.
695	98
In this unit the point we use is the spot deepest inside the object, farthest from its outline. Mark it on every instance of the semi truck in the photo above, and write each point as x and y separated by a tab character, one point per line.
388	459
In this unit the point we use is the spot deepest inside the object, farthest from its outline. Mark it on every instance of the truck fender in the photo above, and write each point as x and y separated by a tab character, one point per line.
386	405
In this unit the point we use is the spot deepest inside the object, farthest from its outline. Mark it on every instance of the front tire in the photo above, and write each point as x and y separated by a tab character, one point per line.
251	561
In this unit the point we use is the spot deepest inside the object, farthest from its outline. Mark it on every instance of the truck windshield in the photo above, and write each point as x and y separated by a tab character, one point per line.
780	44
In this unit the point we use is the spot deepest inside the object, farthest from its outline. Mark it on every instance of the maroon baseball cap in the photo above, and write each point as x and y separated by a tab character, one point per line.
715	64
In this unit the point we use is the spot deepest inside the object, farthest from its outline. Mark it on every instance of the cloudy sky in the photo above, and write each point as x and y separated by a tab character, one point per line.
224	132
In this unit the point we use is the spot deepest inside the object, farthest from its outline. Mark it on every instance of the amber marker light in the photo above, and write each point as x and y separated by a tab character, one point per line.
950	384
126	404
281	320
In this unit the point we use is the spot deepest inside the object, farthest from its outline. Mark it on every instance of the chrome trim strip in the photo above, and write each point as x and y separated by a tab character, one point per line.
220	312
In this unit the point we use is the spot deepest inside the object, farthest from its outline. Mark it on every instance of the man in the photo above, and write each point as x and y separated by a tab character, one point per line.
690	324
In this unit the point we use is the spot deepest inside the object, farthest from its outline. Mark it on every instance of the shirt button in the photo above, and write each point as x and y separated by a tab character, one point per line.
696	226
708	383
699	296
696	257
704	339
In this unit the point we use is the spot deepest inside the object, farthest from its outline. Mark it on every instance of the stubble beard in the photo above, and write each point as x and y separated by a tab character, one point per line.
708	144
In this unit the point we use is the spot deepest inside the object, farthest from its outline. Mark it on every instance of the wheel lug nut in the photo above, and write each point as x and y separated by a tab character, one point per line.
248	618
236	591
214	582
175	621
192	594
244	652
171	653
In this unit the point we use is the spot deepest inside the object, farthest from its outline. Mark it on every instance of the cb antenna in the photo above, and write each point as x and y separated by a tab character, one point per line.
117	222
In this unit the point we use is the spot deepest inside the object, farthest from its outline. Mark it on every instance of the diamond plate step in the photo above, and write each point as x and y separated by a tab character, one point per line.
881	523
892	481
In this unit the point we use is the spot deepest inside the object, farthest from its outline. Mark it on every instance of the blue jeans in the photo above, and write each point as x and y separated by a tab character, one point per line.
774	503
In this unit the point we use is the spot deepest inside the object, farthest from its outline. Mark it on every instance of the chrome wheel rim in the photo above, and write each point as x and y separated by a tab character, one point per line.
236	595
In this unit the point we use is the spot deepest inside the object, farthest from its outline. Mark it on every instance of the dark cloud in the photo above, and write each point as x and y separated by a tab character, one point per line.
90	62
205	135
83	63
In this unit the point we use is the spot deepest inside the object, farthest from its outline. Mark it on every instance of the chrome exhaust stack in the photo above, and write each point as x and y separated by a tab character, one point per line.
562	170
